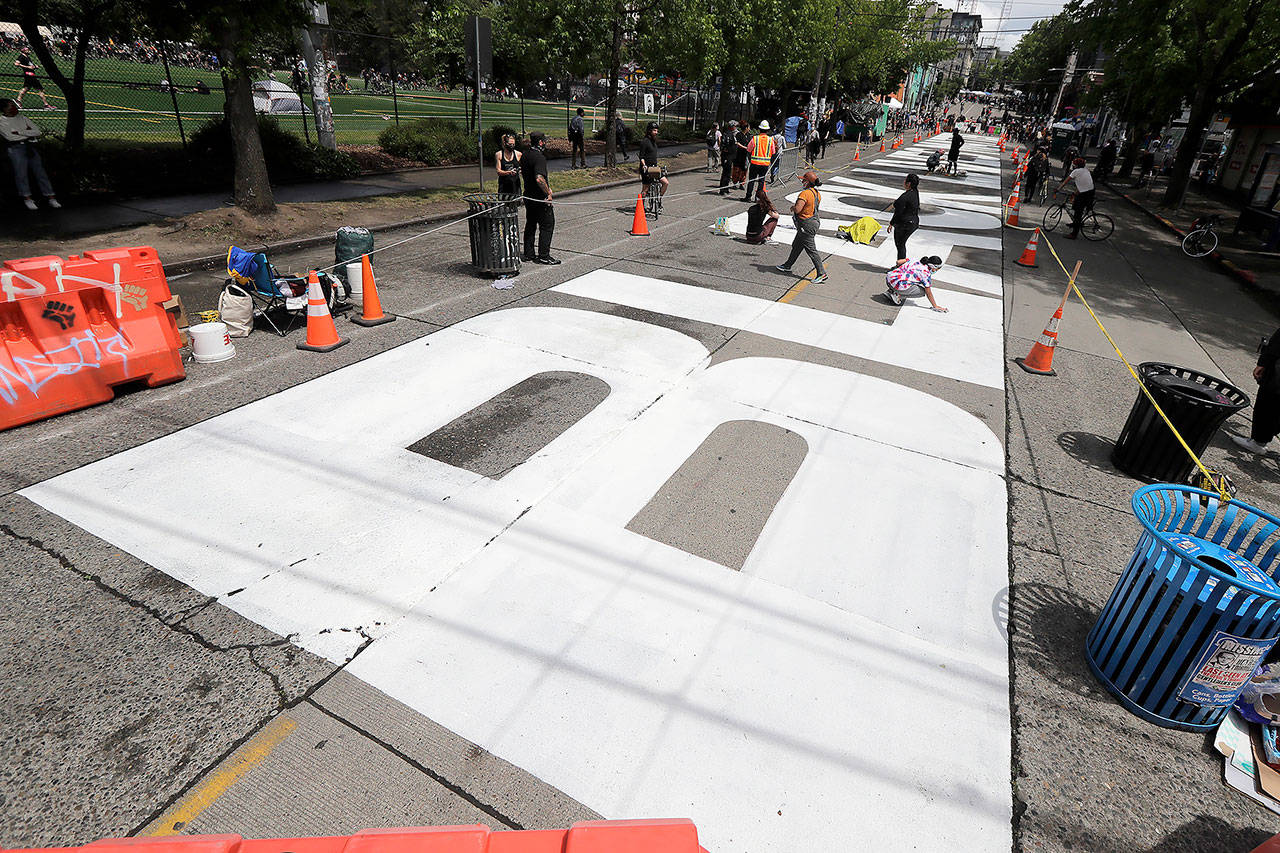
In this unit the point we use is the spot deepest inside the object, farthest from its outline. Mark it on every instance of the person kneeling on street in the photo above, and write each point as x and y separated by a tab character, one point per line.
935	160
762	218
913	279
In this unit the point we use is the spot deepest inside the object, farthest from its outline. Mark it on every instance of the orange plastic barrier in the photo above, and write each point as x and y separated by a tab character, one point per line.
71	330
605	836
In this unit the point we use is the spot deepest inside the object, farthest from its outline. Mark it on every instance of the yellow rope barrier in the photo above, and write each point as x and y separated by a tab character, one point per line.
1218	483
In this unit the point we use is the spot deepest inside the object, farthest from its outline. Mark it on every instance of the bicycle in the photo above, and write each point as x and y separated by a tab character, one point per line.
653	194
1093	225
1203	239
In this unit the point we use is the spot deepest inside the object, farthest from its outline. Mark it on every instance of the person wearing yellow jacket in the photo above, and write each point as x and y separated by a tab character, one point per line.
760	151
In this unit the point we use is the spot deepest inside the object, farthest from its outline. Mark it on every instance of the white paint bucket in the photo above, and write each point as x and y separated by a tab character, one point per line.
210	342
355	278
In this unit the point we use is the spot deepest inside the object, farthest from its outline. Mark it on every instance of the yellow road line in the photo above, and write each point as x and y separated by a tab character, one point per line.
795	290
207	792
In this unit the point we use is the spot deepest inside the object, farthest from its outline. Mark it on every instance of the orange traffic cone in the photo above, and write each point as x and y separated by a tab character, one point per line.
1040	359
1013	208
373	315
322	335
639	225
857	153
881	145
1028	258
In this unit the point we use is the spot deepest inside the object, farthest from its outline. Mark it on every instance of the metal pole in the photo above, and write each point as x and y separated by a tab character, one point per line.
173	94
395	101
521	109
479	124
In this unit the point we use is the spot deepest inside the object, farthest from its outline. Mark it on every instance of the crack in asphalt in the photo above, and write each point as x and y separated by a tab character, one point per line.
453	787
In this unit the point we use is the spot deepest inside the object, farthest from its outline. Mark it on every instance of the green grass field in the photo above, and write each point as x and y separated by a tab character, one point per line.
118	111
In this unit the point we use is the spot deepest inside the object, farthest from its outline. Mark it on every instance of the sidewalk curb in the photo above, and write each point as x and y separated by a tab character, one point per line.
210	262
1245	276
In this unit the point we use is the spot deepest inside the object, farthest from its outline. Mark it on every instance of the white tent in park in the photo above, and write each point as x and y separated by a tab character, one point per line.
272	96
893	103
11	29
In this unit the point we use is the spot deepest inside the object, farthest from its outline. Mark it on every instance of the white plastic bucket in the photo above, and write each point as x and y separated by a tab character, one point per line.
355	278
210	343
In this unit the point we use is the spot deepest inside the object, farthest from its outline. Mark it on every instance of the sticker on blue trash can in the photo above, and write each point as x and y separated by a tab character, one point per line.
1222	669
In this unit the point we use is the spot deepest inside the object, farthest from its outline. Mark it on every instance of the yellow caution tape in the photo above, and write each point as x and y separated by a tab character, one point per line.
1219	482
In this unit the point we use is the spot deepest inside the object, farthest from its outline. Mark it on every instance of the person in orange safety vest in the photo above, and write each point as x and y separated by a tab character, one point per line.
760	153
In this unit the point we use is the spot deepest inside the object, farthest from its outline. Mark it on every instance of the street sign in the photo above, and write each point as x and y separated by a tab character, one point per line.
320	14
477	37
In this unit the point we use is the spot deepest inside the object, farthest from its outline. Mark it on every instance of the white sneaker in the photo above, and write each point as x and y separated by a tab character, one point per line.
30	203
53	202
893	296
1249	444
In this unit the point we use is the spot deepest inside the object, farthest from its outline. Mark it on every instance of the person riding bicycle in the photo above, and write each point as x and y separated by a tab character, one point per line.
649	169
1084	194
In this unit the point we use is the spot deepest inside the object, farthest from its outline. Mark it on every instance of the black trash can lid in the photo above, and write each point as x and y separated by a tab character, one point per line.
1197	386
1188	388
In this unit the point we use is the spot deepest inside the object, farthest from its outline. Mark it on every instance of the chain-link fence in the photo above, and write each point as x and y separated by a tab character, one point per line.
164	92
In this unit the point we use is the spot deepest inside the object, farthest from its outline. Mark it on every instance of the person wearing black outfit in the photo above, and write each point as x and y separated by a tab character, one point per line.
620	132
1106	162
538	213
507	164
649	168
728	153
1266	406
954	154
578	139
906	215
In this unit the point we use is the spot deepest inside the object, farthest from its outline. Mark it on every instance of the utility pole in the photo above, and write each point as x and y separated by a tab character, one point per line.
318	72
1067	74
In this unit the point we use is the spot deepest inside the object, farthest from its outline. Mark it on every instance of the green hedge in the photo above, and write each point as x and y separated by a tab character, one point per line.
429	140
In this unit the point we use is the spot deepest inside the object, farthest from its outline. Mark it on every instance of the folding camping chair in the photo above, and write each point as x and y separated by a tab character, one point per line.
274	294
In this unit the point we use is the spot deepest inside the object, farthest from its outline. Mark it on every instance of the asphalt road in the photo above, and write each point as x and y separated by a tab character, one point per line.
660	531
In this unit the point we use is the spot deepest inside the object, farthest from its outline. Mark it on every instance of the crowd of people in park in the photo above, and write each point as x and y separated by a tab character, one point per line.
131	50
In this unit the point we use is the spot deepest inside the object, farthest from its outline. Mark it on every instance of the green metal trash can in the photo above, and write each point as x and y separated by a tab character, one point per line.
494	228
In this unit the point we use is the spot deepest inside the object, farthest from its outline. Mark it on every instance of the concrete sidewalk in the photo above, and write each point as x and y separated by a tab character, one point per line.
73	221
1240	255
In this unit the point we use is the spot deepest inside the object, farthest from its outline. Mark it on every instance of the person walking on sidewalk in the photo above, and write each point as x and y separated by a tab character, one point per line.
620	134
804	214
539	216
906	215
713	146
578	141
507	165
1084	194
19	136
1266	406
1037	171
30	82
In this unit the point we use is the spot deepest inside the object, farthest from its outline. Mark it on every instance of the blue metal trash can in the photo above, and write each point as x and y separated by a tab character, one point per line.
1195	611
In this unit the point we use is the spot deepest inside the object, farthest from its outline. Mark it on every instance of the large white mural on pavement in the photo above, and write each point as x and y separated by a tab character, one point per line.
846	689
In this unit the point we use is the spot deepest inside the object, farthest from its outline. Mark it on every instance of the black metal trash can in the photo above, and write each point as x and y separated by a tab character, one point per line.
1195	402
495	232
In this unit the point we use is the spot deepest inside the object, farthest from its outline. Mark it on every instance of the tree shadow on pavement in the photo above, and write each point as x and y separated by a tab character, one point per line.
1210	835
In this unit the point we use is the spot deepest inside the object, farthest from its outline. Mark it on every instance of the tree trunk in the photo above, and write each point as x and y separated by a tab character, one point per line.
611	101
72	89
252	183
1201	114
